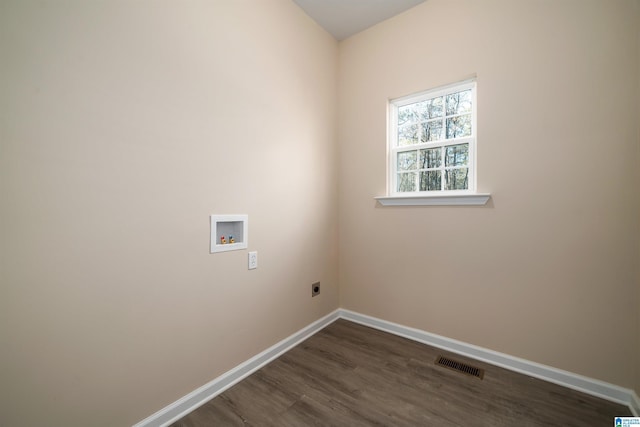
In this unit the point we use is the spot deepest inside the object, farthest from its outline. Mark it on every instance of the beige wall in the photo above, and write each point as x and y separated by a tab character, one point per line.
548	269
123	126
637	387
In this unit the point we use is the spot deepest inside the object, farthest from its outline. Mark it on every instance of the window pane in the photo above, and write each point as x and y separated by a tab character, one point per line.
431	131
459	126
407	160
431	109
408	135
407	114
406	181
430	181
456	179
459	102
457	155
431	158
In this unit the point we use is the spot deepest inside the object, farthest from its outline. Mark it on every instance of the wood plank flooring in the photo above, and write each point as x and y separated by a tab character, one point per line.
352	375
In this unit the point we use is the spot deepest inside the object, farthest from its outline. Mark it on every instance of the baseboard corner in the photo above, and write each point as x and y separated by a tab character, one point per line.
198	397
634	404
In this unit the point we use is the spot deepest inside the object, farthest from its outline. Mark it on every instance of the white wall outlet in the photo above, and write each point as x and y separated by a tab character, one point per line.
253	260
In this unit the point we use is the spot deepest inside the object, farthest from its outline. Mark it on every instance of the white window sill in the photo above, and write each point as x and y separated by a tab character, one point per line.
477	199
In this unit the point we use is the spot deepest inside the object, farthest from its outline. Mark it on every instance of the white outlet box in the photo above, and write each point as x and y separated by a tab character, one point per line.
253	260
229	232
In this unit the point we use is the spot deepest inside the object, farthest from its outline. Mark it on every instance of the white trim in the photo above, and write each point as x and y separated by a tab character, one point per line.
567	379
202	395
477	199
393	149
634	405
461	85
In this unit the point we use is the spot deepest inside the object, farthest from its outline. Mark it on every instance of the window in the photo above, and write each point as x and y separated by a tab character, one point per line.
432	142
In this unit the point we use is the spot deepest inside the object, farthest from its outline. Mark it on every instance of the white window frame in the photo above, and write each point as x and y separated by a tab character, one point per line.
434	197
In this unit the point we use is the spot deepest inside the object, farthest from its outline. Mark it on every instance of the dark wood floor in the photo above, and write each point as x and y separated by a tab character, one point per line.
351	375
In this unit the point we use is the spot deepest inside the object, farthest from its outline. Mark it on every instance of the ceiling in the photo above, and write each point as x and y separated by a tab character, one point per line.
344	18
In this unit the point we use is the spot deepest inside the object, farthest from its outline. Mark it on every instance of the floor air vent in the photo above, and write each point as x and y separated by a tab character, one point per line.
460	367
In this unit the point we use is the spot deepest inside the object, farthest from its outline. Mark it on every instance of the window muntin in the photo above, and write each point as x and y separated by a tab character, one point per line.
432	141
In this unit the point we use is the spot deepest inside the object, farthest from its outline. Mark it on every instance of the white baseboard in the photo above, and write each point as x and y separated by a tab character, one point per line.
635	405
197	398
567	379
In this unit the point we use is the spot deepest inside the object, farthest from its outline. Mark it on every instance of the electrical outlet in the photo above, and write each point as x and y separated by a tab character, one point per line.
253	260
315	289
